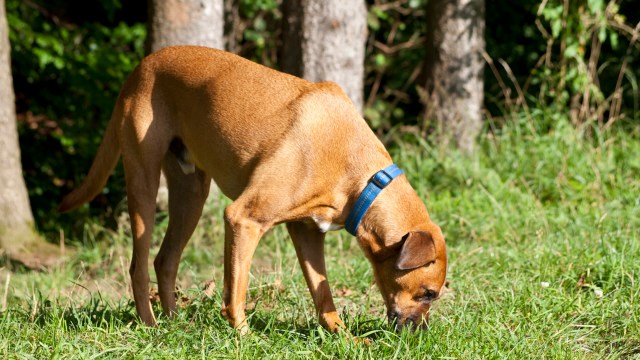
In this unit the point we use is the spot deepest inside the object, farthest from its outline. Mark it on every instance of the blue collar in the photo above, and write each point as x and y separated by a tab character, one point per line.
378	182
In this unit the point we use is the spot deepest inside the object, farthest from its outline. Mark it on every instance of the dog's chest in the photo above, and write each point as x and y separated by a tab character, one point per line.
324	225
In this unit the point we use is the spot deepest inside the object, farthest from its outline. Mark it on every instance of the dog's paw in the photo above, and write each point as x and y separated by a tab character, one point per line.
243	329
331	321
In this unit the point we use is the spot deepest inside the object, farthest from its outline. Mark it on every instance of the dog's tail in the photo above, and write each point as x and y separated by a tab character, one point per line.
103	164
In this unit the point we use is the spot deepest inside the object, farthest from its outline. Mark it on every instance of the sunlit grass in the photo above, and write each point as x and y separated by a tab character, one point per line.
543	235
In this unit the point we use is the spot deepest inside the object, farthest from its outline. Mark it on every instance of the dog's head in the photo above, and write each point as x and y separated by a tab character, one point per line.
410	273
411	276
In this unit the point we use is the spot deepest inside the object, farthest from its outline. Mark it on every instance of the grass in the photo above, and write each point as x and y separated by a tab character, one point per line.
543	239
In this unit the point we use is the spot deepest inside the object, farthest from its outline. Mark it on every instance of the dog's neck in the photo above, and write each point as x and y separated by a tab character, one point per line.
385	223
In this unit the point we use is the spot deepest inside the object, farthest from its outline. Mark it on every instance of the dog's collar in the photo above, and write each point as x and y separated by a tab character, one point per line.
378	182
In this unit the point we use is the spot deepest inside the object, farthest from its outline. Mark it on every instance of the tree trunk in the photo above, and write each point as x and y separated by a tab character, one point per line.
232	26
454	69
18	238
325	40
185	22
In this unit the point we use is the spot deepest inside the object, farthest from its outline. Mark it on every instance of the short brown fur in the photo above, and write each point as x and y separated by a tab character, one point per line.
286	151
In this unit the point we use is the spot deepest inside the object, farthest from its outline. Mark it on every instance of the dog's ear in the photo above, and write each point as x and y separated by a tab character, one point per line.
417	250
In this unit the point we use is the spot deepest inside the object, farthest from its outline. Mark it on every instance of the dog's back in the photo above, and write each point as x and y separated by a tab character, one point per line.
223	112
226	110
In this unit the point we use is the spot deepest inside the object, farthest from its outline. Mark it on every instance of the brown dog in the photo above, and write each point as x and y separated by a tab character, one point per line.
286	151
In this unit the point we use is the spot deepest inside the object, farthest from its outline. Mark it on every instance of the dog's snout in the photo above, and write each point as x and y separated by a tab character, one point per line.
417	322
412	322
393	316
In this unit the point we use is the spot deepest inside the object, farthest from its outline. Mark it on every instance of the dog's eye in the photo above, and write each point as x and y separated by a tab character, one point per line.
429	295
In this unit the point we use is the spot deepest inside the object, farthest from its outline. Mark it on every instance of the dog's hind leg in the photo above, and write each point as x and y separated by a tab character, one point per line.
187	194
309	244
142	187
144	143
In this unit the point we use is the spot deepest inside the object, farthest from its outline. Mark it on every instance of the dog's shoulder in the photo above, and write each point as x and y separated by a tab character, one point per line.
330	87
326	100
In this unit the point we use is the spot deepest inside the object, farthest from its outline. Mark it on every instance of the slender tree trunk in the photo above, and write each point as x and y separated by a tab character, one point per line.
15	211
18	238
233	30
185	22
454	69
325	40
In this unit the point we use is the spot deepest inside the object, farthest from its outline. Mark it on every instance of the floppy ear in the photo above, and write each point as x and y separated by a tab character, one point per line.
418	249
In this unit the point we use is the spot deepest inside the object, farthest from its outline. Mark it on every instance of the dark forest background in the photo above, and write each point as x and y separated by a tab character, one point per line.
70	57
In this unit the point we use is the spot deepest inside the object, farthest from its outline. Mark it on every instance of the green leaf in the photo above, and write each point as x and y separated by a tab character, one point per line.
556	26
613	38
571	51
380	13
398	113
380	60
260	24
252	35
58	63
43	41
373	22
415	4
602	34
595	6
373	116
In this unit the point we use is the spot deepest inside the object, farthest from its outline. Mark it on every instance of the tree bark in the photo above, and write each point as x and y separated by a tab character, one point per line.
454	69
232	29
15	211
185	22
18	238
325	40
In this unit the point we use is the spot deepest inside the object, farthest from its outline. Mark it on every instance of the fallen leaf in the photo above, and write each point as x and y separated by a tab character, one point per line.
154	296
210	288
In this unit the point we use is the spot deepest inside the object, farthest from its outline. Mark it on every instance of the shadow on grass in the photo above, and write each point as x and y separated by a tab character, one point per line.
360	326
100	313
96	313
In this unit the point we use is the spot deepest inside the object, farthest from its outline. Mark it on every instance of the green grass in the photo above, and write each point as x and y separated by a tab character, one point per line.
543	239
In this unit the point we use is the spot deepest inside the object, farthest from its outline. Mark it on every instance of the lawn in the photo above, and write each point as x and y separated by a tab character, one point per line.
543	234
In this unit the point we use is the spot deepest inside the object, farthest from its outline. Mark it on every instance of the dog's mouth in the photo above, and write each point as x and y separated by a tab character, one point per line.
412	322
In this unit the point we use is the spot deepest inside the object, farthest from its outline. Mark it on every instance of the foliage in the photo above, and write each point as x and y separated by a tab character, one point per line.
253	30
66	79
543	244
572	58
394	62
583	61
575	58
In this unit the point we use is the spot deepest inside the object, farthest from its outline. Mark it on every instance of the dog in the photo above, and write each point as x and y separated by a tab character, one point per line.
285	150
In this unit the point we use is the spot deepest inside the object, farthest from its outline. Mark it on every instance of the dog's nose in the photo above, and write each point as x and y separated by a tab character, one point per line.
413	322
393	316
418	322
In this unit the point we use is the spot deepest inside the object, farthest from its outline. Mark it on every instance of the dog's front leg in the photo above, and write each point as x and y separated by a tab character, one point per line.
309	244
242	235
